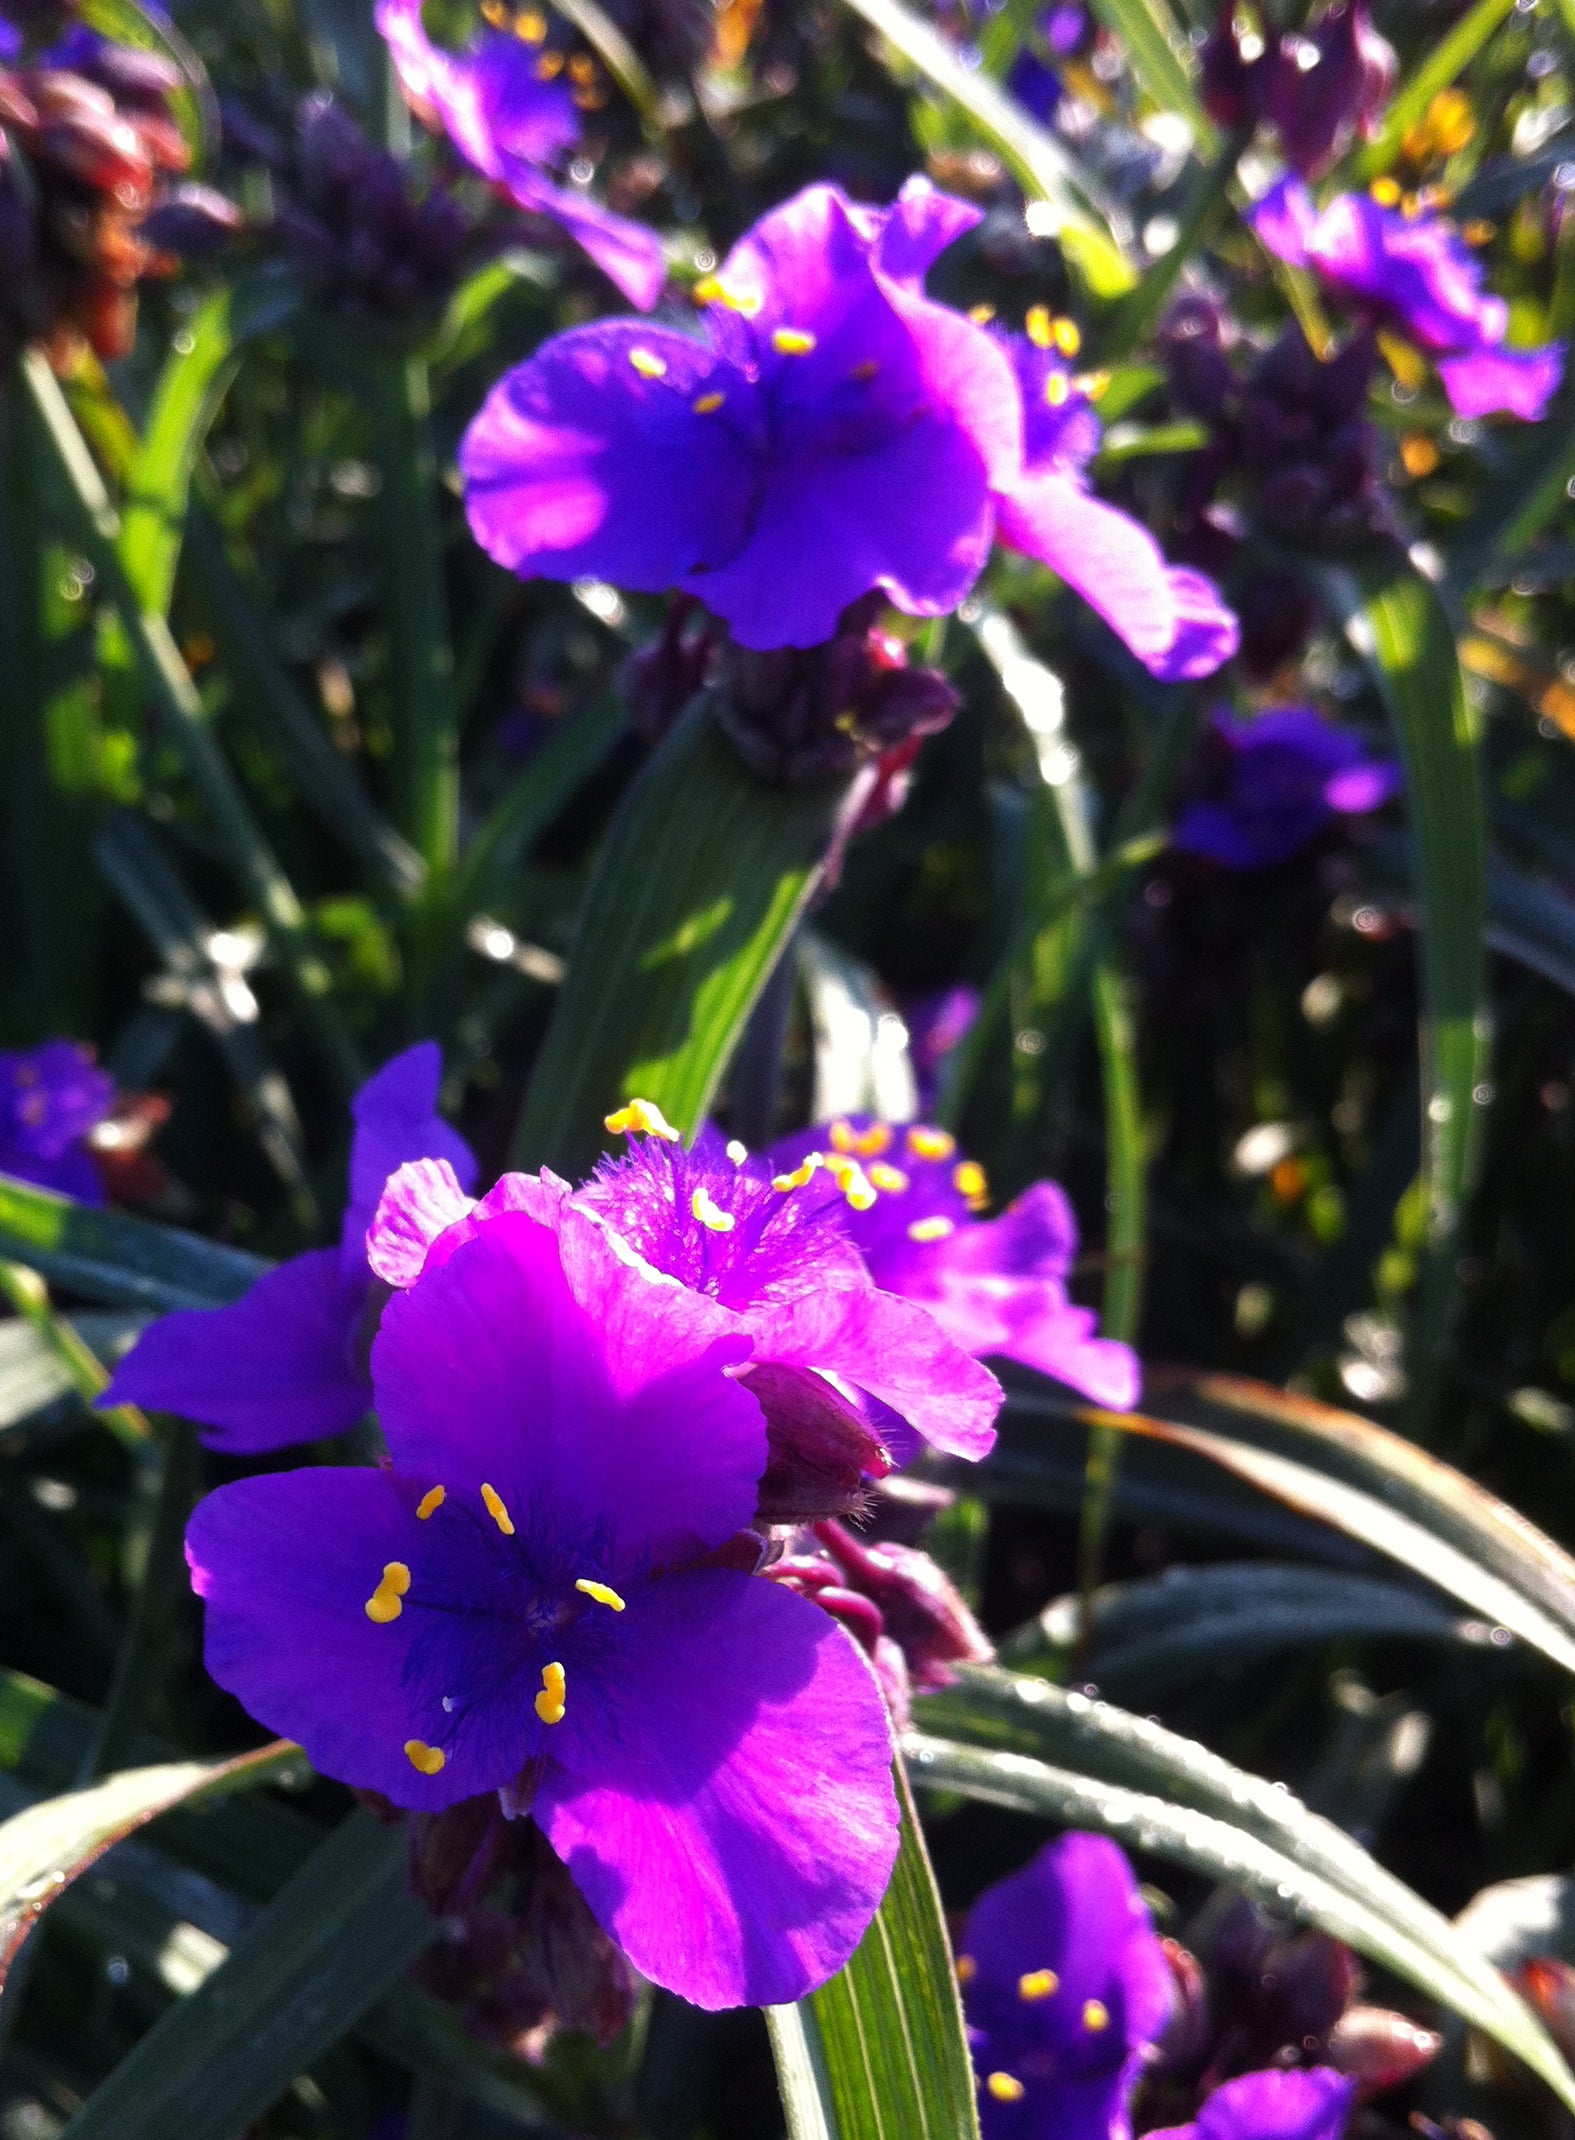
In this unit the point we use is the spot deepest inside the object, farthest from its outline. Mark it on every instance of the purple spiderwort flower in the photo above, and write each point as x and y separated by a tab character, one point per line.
1065	1990
507	121
833	432
532	1599
1302	2103
843	1370
286	1363
994	1285
1413	271
51	1100
1287	773
1171	617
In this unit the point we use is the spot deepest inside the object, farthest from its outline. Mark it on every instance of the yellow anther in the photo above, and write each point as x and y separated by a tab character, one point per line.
550	1701
737	1150
891	1179
648	364
1006	2087
707	404
495	13
1478	231
549	66
1418	454
865	372
970	1180
531	27
1039	327
1038	1984
851	1179
1094	385
429	1504
793	341
712	290
1444	128
927	1143
935	1229
600	1593
429	1759
496	1510
800	1174
645	1116
710	1213
861	1143
981	315
1067	336
1386	192
582	69
383	1605
1096	2015
1058	390
967	1968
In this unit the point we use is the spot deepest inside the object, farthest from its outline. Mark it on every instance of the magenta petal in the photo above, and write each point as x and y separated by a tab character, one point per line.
725	1804
1115	565
923	221
420	1201
396	1119
286	1564
896	1351
1310	2104
1515	382
630	256
1367	785
556	1375
276	1367
1206	633
572	451
1284	220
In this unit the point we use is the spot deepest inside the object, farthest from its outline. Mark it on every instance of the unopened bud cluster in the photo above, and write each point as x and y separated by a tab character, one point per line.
91	202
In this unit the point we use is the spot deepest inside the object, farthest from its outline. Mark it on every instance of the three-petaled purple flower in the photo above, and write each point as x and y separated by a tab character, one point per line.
1408	266
1065	1989
1286	774
287	1362
51	1100
832	432
507	119
1303	2103
534	1598
849	1375
994	1285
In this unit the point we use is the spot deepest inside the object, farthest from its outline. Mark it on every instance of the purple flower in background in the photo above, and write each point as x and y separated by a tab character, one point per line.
833	433
503	117
51	1099
1312	2103
1286	774
1065	1990
1315	89
937	1027
1171	617
1059	34
836	1363
1413	271
531	1600
994	1285
287	1362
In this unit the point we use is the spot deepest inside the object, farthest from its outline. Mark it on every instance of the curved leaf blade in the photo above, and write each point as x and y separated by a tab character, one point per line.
113	1258
194	104
879	2052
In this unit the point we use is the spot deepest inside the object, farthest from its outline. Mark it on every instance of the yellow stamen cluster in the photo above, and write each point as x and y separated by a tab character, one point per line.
428	1759
1445	128
551	1700
430	1503
712	290
860	1144
970	1180
645	1116
710	1213
1046	331
927	1143
384	1603
936	1229
793	341
1006	2087
600	1593
1038	1984
496	1510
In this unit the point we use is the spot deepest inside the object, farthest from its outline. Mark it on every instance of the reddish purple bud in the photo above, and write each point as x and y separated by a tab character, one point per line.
921	1607
1232	68
822	1453
192	221
1186	2037
1379	2049
1548	1987
660	679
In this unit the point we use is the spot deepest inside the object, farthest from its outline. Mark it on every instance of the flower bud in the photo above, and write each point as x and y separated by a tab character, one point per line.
659	680
821	1454
921	1608
1379	2049
1231	73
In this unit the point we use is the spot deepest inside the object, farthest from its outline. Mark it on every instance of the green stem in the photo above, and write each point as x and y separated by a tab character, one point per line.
29	1296
415	609
169	680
